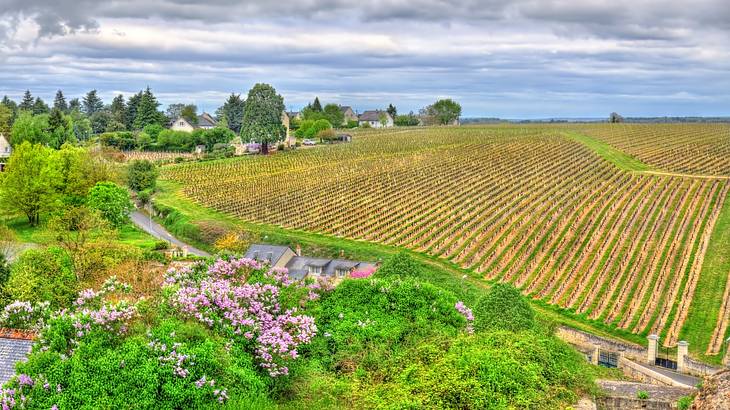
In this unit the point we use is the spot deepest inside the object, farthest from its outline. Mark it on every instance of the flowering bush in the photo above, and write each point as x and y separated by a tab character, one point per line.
25	315
468	315
362	274
248	313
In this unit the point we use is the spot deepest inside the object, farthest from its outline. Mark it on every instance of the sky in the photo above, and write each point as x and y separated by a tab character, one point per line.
516	59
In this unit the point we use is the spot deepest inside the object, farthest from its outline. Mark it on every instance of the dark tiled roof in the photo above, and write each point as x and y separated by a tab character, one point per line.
371	115
205	120
11	352
261	252
344	108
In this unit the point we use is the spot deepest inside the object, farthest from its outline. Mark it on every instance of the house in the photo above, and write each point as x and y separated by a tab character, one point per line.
343	138
348	114
15	346
301	267
5	151
373	117
205	122
200	149
294	115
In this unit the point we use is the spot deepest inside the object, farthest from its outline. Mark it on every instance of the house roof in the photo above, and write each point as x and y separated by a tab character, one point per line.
14	348
261	252
344	108
205	120
372	115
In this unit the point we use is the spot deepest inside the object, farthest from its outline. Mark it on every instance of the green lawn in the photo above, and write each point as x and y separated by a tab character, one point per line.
610	154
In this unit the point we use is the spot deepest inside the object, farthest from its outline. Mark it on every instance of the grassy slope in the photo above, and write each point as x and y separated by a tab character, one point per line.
710	287
611	154
128	234
458	280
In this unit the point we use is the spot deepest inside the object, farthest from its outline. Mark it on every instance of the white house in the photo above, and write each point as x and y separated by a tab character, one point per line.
373	119
205	122
5	151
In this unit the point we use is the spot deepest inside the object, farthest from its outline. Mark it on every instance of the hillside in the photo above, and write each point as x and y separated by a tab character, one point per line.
575	223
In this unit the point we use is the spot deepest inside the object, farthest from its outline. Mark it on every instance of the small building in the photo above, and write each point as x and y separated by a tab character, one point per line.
5	151
301	267
348	114
15	346
294	115
343	138
205	122
373	119
200	149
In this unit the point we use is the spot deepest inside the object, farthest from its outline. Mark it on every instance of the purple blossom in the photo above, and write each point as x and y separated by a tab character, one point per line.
468	315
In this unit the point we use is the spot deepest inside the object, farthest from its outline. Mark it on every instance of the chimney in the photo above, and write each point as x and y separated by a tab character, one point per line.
342	253
298	250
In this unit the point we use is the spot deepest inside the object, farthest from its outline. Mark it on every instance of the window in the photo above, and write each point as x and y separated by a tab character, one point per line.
314	270
182	123
270	256
341	272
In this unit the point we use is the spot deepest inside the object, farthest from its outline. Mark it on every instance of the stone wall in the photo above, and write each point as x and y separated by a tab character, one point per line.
587	341
622	403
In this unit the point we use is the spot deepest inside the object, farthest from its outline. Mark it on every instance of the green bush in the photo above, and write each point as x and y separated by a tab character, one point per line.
43	275
400	265
142	175
642	395
112	201
503	308
684	402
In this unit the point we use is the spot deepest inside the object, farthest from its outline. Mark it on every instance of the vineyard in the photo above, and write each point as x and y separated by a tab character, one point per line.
684	148
526	205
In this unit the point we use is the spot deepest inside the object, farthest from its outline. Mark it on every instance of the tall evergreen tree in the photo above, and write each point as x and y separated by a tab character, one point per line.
147	113
392	110
40	107
92	103
59	102
12	106
118	109
26	104
130	112
74	105
232	112
316	105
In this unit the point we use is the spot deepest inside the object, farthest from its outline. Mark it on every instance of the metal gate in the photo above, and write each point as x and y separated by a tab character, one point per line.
666	362
608	359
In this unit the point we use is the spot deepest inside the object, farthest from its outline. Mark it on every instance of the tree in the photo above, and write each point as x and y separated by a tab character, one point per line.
40	107
190	113
442	112
117	109
146	111
74	105
28	127
503	308
6	120
59	103
262	116
141	175
615	118
92	103
231	112
78	170
60	129
409	120
334	115
73	227
26	104
12	106
174	111
112	202
383	118
392	110
316	105
100	120
218	135
41	275
28	182
131	111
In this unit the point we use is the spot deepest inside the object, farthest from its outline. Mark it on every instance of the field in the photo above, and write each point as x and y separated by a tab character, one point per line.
571	216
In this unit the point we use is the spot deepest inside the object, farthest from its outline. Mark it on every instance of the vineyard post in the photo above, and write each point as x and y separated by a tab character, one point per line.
651	350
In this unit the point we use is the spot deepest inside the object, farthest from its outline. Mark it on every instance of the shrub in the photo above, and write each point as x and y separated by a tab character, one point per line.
160	245
503	308
112	201
142	175
684	402
327	135
642	395
43	275
400	265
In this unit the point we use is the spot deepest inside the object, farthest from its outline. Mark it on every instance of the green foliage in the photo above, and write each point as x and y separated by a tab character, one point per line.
130	374
400	265
333	114
28	127
352	124
29	181
92	103
443	112
262	116
6	120
642	395
684	402
231	113
146	112
112	201
153	130
43	275
409	120
503	308
142	175
500	370
190	113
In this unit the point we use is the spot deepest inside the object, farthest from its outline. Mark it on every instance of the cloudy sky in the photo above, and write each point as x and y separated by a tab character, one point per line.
516	59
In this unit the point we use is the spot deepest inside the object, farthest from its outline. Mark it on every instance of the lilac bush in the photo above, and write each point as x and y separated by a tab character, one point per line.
25	315
251	313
